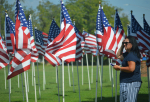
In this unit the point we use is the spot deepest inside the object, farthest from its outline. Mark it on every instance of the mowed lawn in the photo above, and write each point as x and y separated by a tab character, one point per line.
50	94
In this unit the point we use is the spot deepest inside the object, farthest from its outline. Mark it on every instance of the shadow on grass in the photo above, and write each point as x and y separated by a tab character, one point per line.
141	98
59	95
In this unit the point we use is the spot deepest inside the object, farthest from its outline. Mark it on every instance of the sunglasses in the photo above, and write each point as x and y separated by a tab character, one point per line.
125	43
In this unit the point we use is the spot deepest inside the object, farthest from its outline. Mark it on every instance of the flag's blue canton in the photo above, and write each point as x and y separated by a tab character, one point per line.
7	26
117	21
30	26
39	37
128	29
10	23
54	30
135	25
146	27
99	23
21	15
104	19
66	14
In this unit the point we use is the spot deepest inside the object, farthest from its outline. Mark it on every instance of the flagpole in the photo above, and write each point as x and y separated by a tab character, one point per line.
9	79
56	74
32	74
5	76
92	71
78	82
109	69
97	65
9	85
148	84
88	71
61	67
78	75
99	71
25	80
22	86
109	64
18	81
72	76
38	80
63	81
69	75
97	75
82	69
34	81
101	74
57	83
43	75
112	78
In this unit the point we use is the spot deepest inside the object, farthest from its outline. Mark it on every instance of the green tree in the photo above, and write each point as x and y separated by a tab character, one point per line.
45	13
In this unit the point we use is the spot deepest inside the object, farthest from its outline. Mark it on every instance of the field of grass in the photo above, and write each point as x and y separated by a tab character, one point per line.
50	94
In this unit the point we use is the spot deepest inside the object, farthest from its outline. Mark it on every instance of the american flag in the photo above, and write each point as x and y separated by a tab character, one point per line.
4	58
9	34
34	52
99	29
146	26
21	28
105	35
80	38
120	35
90	45
21	60
141	36
64	45
53	31
40	41
135	26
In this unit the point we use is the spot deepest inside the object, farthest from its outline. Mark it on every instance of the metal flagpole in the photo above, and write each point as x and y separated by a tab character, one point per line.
60	67
99	71
38	81
43	75
97	75
22	86
109	64
5	76
101	74
112	78
63	81
25	80
18	81
109	69
69	75
82	69
92	71
88	71
148	83
9	81
72	77
32	73
34	81
56	74
78	81
57	83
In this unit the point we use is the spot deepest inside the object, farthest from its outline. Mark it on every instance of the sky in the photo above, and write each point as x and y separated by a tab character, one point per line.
139	7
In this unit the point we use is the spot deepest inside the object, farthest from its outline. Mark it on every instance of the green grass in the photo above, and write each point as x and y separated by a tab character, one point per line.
50	94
